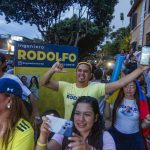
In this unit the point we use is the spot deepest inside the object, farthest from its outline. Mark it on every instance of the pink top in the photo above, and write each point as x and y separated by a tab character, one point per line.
108	141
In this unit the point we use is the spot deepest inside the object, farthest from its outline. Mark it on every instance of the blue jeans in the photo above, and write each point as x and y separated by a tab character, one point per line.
127	141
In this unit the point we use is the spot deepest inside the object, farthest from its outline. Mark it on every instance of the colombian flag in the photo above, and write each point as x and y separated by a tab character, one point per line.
143	106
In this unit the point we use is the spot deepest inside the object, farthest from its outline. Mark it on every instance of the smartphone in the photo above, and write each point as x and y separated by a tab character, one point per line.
145	55
60	126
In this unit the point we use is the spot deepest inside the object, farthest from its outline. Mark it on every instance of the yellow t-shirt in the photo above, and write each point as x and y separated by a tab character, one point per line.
23	138
71	93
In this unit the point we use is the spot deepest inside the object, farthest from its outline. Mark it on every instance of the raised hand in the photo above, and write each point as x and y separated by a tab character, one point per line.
78	143
147	119
45	128
144	67
58	67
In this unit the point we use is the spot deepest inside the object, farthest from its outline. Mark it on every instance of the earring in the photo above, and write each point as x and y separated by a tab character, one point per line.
8	106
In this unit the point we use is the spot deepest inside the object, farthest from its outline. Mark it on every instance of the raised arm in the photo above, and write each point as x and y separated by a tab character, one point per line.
146	122
33	99
42	142
46	78
111	87
44	134
107	115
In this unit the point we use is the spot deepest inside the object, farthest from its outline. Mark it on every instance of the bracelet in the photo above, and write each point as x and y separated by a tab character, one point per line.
40	144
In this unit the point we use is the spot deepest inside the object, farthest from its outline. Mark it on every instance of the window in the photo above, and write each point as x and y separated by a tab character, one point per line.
148	39
149	7
145	5
145	8
133	21
134	45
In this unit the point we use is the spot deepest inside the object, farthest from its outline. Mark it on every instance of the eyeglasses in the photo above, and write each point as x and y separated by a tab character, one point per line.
130	87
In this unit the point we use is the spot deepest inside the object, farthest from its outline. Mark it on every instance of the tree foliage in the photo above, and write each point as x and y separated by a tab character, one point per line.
65	32
88	20
42	13
120	39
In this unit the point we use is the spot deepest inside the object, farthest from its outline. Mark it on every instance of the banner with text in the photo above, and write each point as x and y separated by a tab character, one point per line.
44	55
33	60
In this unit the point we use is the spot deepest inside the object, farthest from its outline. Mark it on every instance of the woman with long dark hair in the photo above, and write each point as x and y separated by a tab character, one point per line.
88	131
126	123
16	132
34	85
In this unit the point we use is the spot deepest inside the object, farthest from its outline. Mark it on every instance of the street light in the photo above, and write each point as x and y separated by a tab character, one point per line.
110	65
10	41
122	17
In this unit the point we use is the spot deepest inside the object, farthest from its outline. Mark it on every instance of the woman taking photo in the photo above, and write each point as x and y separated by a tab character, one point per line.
15	132
87	134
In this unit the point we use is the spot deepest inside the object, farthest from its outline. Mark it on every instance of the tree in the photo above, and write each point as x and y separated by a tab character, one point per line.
42	13
67	31
120	39
91	16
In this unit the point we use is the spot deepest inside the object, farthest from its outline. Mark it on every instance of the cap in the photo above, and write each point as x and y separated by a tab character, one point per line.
86	63
10	86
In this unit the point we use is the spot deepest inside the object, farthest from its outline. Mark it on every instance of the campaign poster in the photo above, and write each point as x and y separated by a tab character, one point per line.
32	60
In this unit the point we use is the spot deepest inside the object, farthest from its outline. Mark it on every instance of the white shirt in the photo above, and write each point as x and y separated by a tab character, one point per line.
127	117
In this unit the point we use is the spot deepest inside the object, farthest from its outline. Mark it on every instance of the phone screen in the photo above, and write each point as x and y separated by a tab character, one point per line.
145	56
60	126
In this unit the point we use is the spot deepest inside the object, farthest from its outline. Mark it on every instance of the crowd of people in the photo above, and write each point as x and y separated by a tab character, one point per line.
87	104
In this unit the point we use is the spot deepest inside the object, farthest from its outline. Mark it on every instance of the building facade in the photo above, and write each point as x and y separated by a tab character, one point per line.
140	23
7	42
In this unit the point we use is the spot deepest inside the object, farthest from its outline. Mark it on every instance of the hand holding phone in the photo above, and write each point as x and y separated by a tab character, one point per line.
60	126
